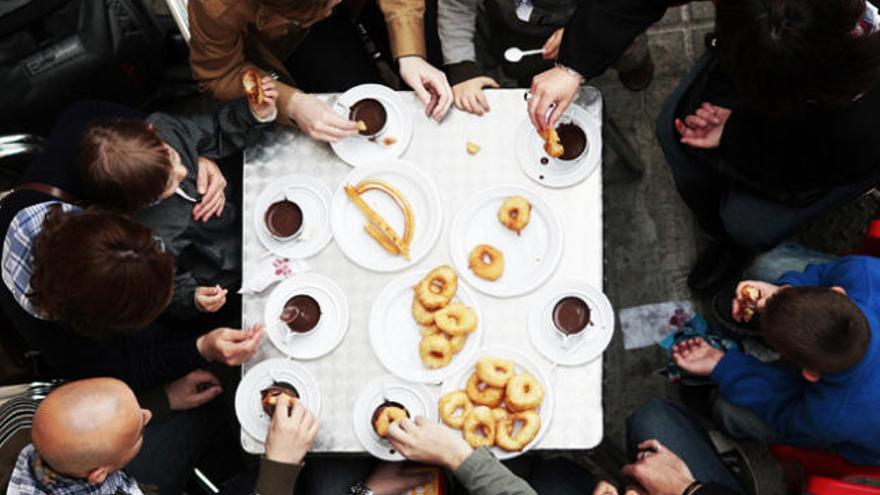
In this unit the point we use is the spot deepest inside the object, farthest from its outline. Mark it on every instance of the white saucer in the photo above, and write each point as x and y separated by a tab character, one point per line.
358	150
248	406
416	398
559	173
395	337
522	363
313	198
530	258
331	327
347	221
577	349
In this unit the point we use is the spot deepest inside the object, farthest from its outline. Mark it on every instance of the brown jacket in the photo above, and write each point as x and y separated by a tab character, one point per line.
229	36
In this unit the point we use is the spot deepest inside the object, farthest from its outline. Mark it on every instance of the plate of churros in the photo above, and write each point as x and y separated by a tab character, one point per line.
506	241
387	216
501	400
385	124
425	325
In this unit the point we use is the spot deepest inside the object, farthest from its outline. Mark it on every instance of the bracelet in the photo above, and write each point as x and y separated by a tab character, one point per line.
571	71
692	488
360	489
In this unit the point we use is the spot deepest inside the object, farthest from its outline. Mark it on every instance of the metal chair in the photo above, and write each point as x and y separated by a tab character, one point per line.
181	16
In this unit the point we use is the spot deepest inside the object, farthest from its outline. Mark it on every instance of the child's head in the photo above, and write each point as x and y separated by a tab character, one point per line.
819	329
124	165
100	273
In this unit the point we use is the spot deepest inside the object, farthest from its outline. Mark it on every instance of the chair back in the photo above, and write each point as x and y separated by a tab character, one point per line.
16	418
824	473
181	16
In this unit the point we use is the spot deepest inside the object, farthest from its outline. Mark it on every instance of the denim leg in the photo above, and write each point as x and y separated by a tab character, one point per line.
334	474
559	476
786	257
672	425
741	422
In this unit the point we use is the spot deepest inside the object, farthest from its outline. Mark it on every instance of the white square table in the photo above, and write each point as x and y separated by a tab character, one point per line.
439	150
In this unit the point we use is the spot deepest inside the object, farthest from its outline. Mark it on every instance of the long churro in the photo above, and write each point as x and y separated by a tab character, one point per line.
376	226
552	144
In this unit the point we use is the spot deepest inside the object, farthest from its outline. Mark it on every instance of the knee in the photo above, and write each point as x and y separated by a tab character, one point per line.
650	419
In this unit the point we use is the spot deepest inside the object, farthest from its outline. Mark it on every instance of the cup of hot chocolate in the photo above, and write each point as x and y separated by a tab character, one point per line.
571	316
573	140
284	220
301	314
372	113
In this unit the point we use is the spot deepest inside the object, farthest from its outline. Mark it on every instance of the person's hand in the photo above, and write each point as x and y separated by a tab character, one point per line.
291	432
394	478
211	185
192	390
658	470
228	346
469	95
556	86
696	356
765	292
270	94
551	46
429	83
605	488
705	127
210	299
317	120
425	441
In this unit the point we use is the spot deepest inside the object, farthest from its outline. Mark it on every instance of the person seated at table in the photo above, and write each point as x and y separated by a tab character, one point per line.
305	43
823	321
86	432
502	24
149	168
774	126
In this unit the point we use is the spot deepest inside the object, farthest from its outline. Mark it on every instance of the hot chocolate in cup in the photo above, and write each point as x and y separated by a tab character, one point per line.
301	314
571	315
573	140
372	113
284	220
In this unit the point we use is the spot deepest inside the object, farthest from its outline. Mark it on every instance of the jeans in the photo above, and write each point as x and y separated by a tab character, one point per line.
723	209
672	425
786	257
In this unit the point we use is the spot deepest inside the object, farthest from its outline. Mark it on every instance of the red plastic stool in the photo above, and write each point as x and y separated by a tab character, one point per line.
871	242
824	473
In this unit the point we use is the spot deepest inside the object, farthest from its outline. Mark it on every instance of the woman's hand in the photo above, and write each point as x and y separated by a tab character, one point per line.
265	110
469	95
425	441
210	299
317	120
211	185
291	432
229	346
192	390
556	86
705	127
429	83
658	470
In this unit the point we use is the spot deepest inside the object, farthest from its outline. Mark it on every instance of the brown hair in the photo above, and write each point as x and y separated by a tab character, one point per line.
100	273
817	328
123	165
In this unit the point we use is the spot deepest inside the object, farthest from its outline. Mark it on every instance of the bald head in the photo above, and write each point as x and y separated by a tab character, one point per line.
89	425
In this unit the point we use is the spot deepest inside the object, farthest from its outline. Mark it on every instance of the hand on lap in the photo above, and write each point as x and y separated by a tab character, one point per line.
211	185
429	84
469	95
696	356
228	346
425	441
291	432
705	127
658	470
192	390
317	120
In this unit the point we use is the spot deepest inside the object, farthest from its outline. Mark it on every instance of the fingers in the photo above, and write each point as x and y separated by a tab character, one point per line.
695	121
489	82
708	115
407	425
652	444
207	395
209	208
444	93
481	102
421	92
736	309
201	376
561	107
539	110
202	177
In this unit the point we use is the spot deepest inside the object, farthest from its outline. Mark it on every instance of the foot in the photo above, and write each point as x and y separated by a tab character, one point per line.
718	263
639	77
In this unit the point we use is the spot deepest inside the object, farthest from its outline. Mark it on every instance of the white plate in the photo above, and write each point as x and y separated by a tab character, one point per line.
395	337
522	363
331	327
313	198
248	406
529	258
347	221
559	173
416	398
580	348
358	150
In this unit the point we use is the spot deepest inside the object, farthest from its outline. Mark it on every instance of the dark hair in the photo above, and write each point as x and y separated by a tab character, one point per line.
785	53
817	328
123	165
100	273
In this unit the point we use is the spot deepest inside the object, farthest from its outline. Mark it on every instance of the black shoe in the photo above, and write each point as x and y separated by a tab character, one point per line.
640	76
718	263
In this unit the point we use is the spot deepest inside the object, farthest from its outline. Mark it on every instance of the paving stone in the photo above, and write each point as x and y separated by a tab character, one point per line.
670	52
701	11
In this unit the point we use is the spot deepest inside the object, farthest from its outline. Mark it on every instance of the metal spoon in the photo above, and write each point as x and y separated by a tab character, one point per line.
514	54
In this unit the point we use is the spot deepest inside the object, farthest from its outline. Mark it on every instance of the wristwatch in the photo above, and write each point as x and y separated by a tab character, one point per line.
360	489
